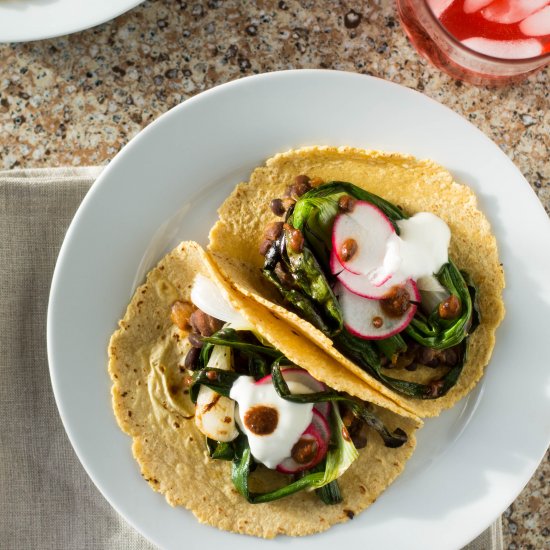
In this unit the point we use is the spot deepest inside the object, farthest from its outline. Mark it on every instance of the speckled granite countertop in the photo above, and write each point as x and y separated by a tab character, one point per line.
77	100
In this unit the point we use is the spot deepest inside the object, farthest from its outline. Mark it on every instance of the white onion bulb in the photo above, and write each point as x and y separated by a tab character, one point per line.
208	297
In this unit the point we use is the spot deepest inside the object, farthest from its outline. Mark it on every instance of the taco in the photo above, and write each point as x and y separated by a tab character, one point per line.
381	259
239	418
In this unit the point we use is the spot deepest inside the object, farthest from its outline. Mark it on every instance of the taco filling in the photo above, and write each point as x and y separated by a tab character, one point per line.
255	407
377	282
363	253
226	423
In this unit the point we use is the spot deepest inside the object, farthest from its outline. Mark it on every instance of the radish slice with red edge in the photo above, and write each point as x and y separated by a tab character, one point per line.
323	408
301	376
314	446
368	229
367	319
362	285
296	374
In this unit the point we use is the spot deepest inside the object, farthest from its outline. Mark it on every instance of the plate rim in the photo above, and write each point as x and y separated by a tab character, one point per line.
65	27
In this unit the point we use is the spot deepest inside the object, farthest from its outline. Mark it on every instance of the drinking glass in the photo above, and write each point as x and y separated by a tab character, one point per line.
484	42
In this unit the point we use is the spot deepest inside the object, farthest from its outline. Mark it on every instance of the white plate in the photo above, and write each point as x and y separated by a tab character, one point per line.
470	462
24	20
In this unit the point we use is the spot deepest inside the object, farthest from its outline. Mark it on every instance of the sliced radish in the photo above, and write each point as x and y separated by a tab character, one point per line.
322	408
381	275
302	382
314	443
301	376
363	286
356	283
369	229
367	319
374	285
511	11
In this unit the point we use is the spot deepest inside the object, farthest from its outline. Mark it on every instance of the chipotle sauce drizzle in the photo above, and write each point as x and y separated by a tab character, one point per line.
396	302
261	420
304	450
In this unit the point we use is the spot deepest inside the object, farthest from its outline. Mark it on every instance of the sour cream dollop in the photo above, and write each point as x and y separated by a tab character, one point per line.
420	250
292	418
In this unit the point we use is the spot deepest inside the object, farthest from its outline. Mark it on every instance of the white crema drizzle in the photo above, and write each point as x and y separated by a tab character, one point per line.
293	418
419	251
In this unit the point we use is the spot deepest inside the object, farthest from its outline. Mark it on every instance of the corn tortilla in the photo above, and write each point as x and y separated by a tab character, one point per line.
145	355
415	185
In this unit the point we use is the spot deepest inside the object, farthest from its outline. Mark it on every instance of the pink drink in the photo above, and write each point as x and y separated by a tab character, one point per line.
480	41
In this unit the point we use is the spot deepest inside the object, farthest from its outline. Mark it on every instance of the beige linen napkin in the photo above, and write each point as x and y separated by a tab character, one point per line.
47	500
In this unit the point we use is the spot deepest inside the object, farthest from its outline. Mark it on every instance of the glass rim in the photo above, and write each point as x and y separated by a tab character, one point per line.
484	56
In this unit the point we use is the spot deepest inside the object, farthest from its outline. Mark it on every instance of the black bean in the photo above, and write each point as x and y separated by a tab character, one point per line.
301	180
273	230
192	359
277	207
348	249
204	324
295	238
288	203
265	245
300	186
346	203
194	340
359	440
